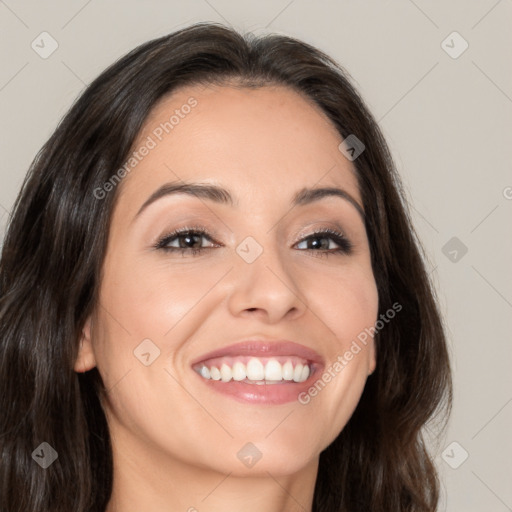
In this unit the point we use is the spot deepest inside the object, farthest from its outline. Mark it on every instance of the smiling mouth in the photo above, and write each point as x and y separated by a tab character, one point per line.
260	371
256	370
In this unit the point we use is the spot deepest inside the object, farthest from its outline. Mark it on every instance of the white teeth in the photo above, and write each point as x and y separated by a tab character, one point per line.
214	373
297	373
255	369
225	373
255	372
239	371
288	370
205	372
273	370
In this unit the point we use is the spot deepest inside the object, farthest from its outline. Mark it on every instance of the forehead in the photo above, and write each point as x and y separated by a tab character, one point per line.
256	141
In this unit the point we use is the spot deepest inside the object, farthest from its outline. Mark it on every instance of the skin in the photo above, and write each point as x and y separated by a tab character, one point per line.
175	441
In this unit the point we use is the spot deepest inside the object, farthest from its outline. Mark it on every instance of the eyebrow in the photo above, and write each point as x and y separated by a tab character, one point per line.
221	195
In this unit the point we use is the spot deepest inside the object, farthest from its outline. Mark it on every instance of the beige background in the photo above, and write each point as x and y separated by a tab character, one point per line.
448	122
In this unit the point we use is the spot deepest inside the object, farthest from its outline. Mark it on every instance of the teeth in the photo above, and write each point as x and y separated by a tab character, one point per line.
205	372
297	373
288	370
256	372
273	370
214	373
239	372
225	373
255	369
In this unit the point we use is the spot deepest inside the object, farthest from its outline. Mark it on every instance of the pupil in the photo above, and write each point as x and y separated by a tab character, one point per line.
314	243
189	240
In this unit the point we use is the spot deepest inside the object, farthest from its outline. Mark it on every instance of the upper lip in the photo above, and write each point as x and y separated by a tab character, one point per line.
264	348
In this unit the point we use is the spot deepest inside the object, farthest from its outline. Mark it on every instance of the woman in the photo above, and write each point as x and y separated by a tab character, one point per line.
213	298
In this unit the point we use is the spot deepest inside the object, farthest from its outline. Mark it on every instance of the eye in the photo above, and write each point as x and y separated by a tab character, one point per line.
322	248
185	240
189	240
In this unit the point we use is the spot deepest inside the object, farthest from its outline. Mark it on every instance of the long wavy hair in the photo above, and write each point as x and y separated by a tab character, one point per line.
50	270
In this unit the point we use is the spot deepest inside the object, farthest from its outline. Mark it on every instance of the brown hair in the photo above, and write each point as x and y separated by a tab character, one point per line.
55	246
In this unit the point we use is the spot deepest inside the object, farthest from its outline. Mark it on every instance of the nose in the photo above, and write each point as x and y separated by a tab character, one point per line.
266	287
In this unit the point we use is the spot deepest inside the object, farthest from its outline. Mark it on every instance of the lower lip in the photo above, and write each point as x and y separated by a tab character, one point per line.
272	394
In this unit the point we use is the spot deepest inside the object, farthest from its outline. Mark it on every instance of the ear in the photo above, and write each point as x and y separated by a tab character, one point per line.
86	359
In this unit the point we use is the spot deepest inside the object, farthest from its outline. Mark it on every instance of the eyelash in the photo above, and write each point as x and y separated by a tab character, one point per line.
345	246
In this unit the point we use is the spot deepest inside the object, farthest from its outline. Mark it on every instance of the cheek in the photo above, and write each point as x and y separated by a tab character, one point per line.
349	310
148	310
347	301
163	303
150	299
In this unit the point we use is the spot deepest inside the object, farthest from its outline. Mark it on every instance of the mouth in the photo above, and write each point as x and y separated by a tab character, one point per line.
271	372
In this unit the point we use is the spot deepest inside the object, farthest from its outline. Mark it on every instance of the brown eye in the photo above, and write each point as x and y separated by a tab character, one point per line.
320	242
185	240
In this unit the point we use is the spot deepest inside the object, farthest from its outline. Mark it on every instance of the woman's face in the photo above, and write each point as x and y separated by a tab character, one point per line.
259	276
